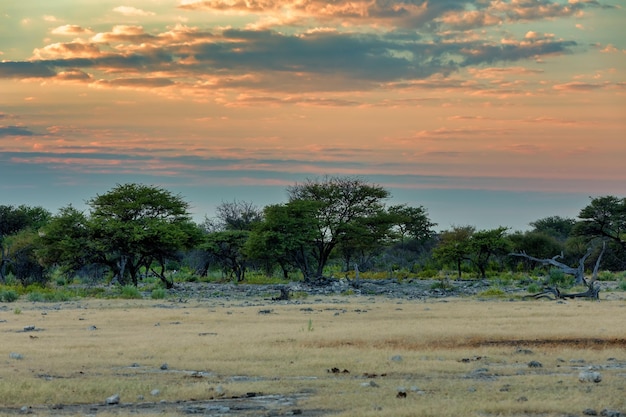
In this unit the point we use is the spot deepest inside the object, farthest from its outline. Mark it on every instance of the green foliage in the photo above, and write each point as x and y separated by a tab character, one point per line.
533	288
442	284
492	292
622	285
135	224
559	278
342	203
49	295
8	296
262	279
226	248
606	276
130	292
158	293
36	297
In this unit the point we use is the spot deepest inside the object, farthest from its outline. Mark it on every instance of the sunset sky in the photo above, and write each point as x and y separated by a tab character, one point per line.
485	112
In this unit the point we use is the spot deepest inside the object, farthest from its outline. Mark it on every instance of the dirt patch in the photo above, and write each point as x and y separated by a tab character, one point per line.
249	405
577	343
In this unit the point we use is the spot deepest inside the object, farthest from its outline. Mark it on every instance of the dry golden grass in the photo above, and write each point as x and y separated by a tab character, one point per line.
245	346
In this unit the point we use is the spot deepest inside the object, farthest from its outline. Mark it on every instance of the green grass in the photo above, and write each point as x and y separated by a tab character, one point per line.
492	292
8	296
130	292
158	293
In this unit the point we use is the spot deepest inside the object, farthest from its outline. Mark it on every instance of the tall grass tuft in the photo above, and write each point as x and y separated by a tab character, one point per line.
130	292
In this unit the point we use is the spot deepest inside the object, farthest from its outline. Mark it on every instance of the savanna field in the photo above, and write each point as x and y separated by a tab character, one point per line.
341	355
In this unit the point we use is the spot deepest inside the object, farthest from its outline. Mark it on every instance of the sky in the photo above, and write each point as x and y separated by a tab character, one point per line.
485	112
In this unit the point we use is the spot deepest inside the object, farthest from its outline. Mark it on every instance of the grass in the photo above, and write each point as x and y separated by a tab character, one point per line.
441	344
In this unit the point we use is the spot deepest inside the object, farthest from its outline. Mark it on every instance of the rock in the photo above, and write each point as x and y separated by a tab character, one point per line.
29	328
26	410
155	392
589	376
165	367
396	358
590	412
610	413
92	328
369	384
17	356
534	364
113	400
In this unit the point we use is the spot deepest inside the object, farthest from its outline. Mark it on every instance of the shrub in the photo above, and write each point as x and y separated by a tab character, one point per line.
130	292
158	293
534	287
443	284
606	276
493	292
36	297
622	285
558	277
8	296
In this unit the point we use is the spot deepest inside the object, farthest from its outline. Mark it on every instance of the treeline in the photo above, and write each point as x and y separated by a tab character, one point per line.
338	224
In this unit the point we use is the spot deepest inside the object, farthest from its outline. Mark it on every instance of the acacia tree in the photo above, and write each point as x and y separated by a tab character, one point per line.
22	220
342	202
411	222
454	246
485	245
227	234
604	219
66	241
134	225
285	236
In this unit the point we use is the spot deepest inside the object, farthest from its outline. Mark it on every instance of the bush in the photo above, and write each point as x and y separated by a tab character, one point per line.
36	297
8	296
622	285
558	277
534	288
158	293
493	292
130	292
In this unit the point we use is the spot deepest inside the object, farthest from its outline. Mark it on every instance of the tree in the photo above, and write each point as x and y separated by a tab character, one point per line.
235	215
454	246
66	241
363	237
560	228
286	236
605	219
226	248
539	243
22	258
12	221
411	222
466	244
134	225
342	201
484	245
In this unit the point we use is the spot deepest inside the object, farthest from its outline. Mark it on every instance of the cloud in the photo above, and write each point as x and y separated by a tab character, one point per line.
132	11
15	131
70	30
25	70
420	14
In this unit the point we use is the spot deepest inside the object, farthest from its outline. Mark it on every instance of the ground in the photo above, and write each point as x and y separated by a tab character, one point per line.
385	349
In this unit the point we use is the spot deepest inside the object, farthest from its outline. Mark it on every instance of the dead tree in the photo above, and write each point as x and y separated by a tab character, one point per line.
578	273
